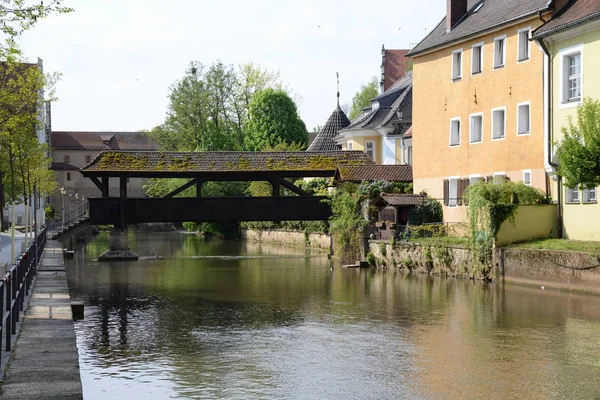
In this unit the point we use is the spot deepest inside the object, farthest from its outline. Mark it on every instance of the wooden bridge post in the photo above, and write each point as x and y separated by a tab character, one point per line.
105	187
199	184
122	197
276	187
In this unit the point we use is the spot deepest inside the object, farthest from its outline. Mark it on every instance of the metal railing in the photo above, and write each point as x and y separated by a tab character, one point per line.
16	284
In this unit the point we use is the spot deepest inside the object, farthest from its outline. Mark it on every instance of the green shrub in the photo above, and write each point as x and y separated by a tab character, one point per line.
383	249
371	259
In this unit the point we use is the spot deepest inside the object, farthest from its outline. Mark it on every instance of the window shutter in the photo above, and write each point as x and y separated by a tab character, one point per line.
464	183
446	192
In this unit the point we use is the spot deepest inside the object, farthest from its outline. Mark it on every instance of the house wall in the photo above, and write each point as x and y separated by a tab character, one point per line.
438	99
580	221
84	186
358	143
528	223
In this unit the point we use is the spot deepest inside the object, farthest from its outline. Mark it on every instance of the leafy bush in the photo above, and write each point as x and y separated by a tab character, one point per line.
430	211
371	259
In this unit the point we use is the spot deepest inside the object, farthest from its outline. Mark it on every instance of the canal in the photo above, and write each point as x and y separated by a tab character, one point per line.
246	320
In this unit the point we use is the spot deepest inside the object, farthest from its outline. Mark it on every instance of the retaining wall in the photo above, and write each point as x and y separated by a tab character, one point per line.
548	268
288	238
559	269
528	223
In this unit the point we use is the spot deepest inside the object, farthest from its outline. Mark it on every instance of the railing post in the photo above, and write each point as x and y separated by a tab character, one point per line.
14	301
8	296
2	314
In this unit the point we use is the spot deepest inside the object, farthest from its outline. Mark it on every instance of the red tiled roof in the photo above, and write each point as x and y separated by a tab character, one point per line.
575	12
395	199
102	141
359	173
394	67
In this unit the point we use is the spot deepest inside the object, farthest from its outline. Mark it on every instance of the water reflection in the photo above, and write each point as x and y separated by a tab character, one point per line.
249	320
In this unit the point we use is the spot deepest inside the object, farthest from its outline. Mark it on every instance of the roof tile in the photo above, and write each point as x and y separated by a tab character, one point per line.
359	173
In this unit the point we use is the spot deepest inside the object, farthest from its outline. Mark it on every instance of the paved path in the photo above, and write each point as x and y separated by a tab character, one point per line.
45	362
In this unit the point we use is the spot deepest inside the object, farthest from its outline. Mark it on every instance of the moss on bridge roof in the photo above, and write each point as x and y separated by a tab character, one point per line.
221	161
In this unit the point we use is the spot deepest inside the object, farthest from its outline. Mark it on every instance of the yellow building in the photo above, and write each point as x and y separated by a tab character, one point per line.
572	42
383	131
478	101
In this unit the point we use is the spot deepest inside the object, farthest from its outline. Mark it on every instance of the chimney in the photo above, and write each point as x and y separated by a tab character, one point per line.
455	10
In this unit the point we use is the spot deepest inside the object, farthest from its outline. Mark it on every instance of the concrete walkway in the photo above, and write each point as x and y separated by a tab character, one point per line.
45	363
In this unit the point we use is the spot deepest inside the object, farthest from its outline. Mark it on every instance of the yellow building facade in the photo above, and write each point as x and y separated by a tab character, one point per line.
573	43
478	112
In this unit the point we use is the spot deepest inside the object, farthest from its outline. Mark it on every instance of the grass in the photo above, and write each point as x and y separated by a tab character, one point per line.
442	241
592	248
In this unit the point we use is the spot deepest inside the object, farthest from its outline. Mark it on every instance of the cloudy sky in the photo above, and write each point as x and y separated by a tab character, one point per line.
119	57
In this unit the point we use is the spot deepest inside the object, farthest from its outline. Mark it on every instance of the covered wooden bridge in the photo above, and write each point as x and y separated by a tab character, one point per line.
273	167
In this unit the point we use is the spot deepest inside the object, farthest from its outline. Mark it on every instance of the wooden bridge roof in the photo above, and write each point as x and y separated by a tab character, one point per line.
220	163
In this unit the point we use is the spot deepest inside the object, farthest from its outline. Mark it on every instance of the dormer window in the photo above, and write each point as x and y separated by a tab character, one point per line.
400	114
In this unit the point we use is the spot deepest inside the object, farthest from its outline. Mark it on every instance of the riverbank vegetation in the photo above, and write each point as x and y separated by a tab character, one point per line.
592	248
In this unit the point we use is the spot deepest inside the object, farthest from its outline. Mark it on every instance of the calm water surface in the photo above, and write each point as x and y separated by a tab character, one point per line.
243	320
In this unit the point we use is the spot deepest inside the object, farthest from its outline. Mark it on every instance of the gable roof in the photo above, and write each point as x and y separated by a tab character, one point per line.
400	94
324	140
404	199
192	164
493	14
359	173
574	13
63	140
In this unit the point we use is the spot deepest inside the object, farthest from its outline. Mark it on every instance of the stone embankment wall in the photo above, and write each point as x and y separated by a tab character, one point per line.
559	269
289	238
450	261
552	269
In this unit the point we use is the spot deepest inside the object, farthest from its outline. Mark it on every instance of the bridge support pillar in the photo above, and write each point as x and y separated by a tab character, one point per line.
118	247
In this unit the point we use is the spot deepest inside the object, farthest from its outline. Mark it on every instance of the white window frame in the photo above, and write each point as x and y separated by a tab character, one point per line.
453	201
569	198
475	176
480	46
409	154
349	145
503	108
586	196
374	157
563	55
498	174
459	132
496	40
454	77
525	172
519	43
525	103
471	116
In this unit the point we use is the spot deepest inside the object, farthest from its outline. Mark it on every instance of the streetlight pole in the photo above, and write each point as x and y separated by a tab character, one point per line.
76	207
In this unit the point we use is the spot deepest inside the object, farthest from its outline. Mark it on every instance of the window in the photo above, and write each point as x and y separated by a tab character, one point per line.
574	77
453	192
67	159
527	177
477	58
349	145
473	179
476	128
68	176
456	64
499	51
455	132
573	195
409	155
370	149
523	48
523	119
571	75
88	159
589	195
498	123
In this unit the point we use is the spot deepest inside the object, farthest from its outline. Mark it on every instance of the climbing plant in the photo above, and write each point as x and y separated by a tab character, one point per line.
488	206
347	222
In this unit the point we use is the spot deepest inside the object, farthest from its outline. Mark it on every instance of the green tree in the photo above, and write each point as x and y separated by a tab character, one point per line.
363	98
17	16
273	119
579	150
23	161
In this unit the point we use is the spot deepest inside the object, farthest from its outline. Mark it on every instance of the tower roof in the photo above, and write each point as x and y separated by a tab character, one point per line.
324	140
